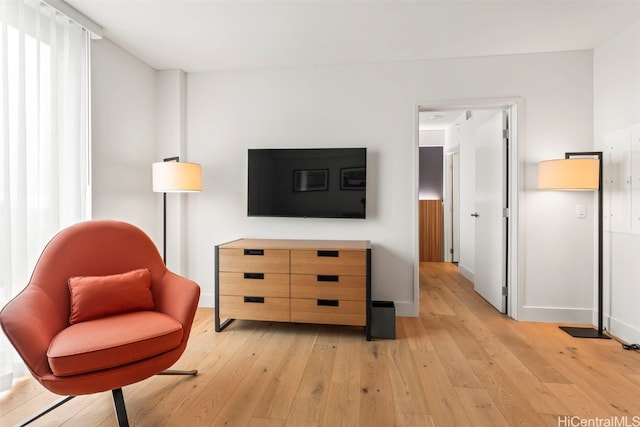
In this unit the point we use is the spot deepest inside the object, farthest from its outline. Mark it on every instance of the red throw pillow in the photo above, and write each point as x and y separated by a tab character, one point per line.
93	297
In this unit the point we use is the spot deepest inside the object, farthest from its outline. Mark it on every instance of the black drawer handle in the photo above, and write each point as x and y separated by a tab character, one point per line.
334	254
328	278
258	252
257	276
257	300
328	302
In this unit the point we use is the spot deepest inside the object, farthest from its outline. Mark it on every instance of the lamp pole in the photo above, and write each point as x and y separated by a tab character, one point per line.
164	215
589	332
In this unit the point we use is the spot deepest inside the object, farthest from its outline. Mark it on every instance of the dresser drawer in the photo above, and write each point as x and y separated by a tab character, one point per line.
329	311
254	308
254	260
350	263
353	288
263	284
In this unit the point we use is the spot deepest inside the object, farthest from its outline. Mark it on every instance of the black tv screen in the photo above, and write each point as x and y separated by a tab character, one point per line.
306	182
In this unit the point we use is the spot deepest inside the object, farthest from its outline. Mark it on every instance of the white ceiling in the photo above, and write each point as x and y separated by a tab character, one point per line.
208	35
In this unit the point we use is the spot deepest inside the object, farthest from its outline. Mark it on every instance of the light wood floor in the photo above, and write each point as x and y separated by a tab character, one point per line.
459	364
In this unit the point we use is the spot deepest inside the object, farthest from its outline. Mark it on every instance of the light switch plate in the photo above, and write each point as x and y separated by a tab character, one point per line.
581	211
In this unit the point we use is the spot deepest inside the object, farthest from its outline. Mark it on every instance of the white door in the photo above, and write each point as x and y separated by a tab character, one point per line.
455	162
490	203
452	209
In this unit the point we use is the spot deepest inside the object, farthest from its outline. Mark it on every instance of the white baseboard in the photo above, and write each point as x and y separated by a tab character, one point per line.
466	273
624	331
620	329
406	309
555	315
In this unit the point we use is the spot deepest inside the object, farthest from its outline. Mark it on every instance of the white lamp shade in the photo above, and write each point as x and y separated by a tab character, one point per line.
569	174
176	177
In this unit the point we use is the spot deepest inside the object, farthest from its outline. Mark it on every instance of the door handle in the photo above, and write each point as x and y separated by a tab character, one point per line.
475	215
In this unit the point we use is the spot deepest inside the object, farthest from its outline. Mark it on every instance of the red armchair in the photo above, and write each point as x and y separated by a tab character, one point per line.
100	312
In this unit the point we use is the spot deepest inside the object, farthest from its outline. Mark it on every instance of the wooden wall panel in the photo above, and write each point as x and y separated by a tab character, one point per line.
431	230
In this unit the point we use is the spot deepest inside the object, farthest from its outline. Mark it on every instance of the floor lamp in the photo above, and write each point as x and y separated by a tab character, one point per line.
173	176
579	171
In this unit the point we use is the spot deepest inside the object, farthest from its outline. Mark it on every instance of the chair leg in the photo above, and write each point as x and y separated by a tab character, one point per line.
192	372
121	410
46	410
118	398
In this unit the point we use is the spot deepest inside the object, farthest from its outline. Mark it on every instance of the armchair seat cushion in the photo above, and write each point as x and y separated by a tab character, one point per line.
112	341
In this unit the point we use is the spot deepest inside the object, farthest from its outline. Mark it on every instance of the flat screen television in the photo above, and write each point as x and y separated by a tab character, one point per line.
307	182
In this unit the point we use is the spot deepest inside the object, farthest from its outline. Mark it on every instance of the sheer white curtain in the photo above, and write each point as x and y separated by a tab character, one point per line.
44	134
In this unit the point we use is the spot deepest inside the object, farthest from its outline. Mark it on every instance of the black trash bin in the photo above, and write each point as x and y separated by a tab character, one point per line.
383	319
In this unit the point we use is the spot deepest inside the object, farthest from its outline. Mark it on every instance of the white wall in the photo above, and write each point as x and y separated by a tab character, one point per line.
123	135
431	138
171	87
617	106
358	105
375	106
138	117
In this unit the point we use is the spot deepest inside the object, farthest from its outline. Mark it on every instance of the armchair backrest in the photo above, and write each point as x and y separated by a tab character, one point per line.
92	248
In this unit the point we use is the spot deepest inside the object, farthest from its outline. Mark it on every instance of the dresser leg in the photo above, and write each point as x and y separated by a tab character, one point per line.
221	326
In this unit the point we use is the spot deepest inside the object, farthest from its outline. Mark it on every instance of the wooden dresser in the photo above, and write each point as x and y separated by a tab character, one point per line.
305	281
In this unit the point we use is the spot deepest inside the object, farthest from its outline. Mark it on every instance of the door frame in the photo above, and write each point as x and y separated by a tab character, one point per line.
515	181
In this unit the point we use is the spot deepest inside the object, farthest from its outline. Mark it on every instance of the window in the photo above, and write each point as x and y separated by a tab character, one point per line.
44	134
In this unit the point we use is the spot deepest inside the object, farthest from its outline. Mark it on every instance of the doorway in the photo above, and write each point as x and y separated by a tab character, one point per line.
465	211
430	193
